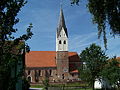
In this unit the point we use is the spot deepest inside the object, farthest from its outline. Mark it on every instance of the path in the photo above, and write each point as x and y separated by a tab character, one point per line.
35	89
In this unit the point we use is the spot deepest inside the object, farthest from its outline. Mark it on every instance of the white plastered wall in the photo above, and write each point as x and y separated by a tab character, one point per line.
63	38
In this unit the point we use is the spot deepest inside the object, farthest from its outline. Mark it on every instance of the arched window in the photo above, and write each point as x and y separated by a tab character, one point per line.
36	76
39	72
50	72
63	76
29	79
64	42
60	42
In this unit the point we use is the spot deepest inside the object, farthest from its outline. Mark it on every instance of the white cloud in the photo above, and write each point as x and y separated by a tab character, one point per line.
78	42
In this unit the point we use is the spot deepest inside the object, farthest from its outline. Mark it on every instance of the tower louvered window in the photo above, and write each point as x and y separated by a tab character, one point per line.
64	42
60	42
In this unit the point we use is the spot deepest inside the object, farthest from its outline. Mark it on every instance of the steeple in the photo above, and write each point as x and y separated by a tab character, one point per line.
61	23
61	34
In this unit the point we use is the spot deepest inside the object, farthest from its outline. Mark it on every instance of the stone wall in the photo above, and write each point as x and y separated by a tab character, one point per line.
62	65
37	75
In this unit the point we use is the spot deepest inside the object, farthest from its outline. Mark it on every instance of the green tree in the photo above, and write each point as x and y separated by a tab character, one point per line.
93	59
106	13
111	72
11	47
46	83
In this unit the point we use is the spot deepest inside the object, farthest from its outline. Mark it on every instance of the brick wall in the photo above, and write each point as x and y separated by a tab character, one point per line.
62	65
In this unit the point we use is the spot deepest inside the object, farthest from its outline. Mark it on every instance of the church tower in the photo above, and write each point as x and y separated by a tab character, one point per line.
62	49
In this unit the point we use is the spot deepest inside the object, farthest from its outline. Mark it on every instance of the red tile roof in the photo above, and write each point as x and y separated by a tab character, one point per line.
40	59
73	57
74	71
118	59
46	58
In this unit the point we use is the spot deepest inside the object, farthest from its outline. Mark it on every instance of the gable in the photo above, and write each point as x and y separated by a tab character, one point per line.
62	33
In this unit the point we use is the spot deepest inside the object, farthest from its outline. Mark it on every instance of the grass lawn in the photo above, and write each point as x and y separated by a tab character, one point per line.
36	86
80	89
77	84
66	85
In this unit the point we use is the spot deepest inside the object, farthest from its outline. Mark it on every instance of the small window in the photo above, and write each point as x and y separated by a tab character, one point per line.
63	76
46	73
50	72
72	75
28	72
64	42
36	76
39	72
60	42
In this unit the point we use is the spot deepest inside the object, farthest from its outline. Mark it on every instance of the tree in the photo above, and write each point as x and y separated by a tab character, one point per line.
111	72
93	59
46	83
11	47
105	13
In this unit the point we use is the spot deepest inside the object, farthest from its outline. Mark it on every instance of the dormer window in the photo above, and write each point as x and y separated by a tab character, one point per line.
60	42
64	42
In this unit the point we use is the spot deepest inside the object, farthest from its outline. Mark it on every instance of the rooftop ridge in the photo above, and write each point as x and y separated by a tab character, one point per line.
53	51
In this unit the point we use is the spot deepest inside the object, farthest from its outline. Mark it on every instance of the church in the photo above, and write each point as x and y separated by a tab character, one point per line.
58	66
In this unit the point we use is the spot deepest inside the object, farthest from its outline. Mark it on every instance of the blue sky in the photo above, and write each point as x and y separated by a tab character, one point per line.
44	15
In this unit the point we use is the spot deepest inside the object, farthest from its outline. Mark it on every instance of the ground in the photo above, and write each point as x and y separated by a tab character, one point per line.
35	89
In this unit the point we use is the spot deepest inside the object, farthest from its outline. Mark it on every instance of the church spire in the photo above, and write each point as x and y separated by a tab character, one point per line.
61	34
61	23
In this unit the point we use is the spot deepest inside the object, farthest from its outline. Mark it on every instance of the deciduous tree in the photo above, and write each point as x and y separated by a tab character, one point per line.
111	72
106	13
10	47
93	59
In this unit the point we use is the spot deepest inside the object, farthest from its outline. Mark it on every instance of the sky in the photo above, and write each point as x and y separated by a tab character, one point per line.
44	15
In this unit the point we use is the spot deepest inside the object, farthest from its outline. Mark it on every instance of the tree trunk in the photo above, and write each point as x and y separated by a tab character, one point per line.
93	84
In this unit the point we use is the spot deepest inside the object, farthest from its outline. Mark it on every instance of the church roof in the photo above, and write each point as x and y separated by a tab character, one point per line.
61	24
118	59
40	59
46	58
74	71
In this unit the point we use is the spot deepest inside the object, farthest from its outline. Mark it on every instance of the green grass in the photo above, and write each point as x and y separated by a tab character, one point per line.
65	85
77	84
68	85
36	86
82	89
71	85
